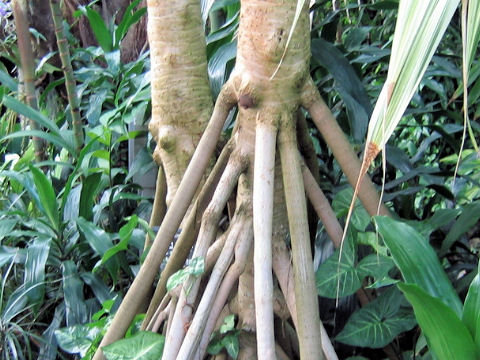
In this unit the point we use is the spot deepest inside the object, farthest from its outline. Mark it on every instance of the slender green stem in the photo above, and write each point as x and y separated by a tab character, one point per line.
70	84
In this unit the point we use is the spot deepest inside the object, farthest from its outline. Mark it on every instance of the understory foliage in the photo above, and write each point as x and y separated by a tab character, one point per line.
73	227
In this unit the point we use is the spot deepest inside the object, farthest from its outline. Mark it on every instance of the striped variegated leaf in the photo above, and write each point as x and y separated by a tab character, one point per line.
420	26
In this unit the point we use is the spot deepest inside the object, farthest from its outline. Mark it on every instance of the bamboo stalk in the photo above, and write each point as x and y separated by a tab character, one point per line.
70	83
308	328
193	175
19	8
263	182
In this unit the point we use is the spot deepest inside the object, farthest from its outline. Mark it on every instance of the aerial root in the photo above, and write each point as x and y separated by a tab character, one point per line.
341	148
142	283
208	231
189	232
263	182
308	319
242	250
197	327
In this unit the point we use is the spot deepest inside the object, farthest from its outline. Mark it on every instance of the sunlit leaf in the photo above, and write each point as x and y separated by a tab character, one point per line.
417	261
471	310
447	337
420	27
144	345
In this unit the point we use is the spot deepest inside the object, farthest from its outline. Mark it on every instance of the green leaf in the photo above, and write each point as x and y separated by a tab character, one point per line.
49	137
75	307
88	194
232	345
99	28
374	265
447	337
195	269
31	113
419	29
128	20
96	237
144	345
417	261
217	65
334	279
349	86
47	196
378	323
341	203
471	310
8	81
77	339
467	219
37	255
125	234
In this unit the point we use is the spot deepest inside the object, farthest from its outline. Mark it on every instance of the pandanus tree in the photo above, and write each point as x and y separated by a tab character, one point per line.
260	268
262	163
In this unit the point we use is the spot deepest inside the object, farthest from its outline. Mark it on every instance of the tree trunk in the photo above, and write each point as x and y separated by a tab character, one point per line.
269	84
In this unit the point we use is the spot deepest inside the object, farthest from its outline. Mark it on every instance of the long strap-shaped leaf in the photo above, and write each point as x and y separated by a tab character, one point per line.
420	26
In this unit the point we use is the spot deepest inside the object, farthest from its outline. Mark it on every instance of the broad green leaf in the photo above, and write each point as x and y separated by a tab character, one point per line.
471	310
228	324
349	86
6	226
52	138
8	81
419	28
447	337
102	292
334	279
378	323
75	307
47	196
37	255
217	66
375	265
88	194
96	237
99	28
341	203
31	113
129	18
195	269
467	219
125	234
232	345
144	345
9	254
77	339
417	261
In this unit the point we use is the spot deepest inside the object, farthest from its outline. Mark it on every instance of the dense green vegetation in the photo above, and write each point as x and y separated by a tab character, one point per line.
73	225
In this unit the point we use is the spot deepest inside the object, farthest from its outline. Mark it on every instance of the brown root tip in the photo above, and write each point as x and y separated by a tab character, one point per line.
246	101
371	153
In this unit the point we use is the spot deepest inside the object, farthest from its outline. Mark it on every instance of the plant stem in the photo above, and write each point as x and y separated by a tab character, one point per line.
263	182
70	84
308	328
19	8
